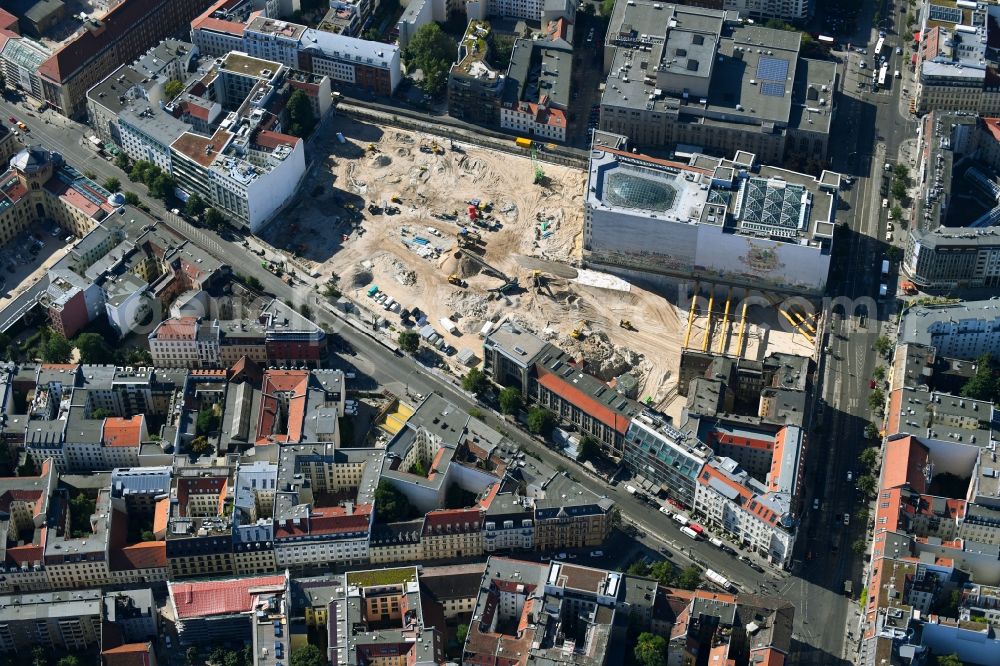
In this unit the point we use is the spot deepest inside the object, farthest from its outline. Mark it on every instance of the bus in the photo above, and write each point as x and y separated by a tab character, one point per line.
882	73
878	46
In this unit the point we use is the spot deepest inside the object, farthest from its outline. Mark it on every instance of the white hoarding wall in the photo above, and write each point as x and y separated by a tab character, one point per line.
704	251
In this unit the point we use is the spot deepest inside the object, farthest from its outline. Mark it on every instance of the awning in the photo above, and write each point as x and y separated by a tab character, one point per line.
913	59
916	36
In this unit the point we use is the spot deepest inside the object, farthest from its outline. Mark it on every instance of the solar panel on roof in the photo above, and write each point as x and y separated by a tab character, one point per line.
772	89
772	69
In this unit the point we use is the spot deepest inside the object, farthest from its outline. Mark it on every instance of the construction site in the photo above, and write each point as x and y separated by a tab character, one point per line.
426	234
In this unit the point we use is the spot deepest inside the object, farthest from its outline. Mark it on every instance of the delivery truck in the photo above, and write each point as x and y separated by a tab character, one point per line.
885	267
718	579
687	531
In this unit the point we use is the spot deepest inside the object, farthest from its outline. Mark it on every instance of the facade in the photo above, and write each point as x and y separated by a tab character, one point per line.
21	57
964	331
714	88
711	219
55	620
214	611
121	35
795	10
219	29
664	459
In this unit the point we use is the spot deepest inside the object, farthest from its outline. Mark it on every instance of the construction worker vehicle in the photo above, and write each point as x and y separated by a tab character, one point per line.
626	324
457	281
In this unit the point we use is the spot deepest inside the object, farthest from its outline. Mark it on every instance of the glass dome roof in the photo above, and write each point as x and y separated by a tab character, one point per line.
631	191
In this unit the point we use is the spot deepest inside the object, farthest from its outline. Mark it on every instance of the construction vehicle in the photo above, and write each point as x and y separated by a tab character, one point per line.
395	199
436	149
372	148
577	333
457	281
374	209
626	324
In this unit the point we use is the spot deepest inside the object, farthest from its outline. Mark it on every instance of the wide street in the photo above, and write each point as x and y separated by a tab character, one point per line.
823	613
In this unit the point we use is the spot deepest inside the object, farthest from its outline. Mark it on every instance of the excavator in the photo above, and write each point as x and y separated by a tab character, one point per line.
456	280
577	333
626	324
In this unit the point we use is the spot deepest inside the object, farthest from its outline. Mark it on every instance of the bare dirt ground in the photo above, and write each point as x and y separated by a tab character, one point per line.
410	254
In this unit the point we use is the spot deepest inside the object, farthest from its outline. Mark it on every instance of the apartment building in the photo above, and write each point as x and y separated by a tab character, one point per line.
121	35
21	57
569	516
219	29
63	620
452	534
663	459
963	331
700	77
762	10
221	610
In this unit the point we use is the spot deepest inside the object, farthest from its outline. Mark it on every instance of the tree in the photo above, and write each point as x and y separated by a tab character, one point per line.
902	172
122	162
896	213
879	372
28	467
308	655
510	397
461	632
651	650
132	199
590	449
57	349
871	431
883	345
869	457
607	6
200	445
162	186
638	568
876	400
39	656
409	341
476	382
112	184
982	385
214	219
372	35
589	10
390	504
138	172
147	535
689	578
541	421
208	421
100	413
300	113
432	52
898	190
69	660
306	311
195	205
191	656
93	349
949	660
868	485
151	173
81	508
859	547
173	88
861	515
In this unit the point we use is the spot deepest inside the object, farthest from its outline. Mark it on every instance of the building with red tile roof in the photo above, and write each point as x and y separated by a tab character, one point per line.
129	654
218	610
123	34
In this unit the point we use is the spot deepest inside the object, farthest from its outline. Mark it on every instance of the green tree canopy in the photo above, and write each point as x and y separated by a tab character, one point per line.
195	205
162	187
510	399
112	184
100	413
898	190
57	349
475	381
409	341
867	484
173	88
949	660
214	219
208	421
651	650
689	578
883	345
200	445
983	385
300	113
390	504
590	449
93	349
81	508
541	421
132	199
432	52
869	457
461	632
29	467
122	162
307	655
607	6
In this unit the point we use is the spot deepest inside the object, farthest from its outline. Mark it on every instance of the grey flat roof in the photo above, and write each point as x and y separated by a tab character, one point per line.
518	344
918	323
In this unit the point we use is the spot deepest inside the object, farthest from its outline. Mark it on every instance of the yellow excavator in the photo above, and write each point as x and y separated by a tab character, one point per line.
626	324
577	333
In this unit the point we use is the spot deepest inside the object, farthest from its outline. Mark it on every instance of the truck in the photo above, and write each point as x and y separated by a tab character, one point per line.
848	587
718	579
340	137
522	142
687	531
883	290
448	325
630	490
885	267
698	529
681	519
717	542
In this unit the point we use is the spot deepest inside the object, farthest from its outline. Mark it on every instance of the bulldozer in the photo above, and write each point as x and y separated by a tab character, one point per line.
626	324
